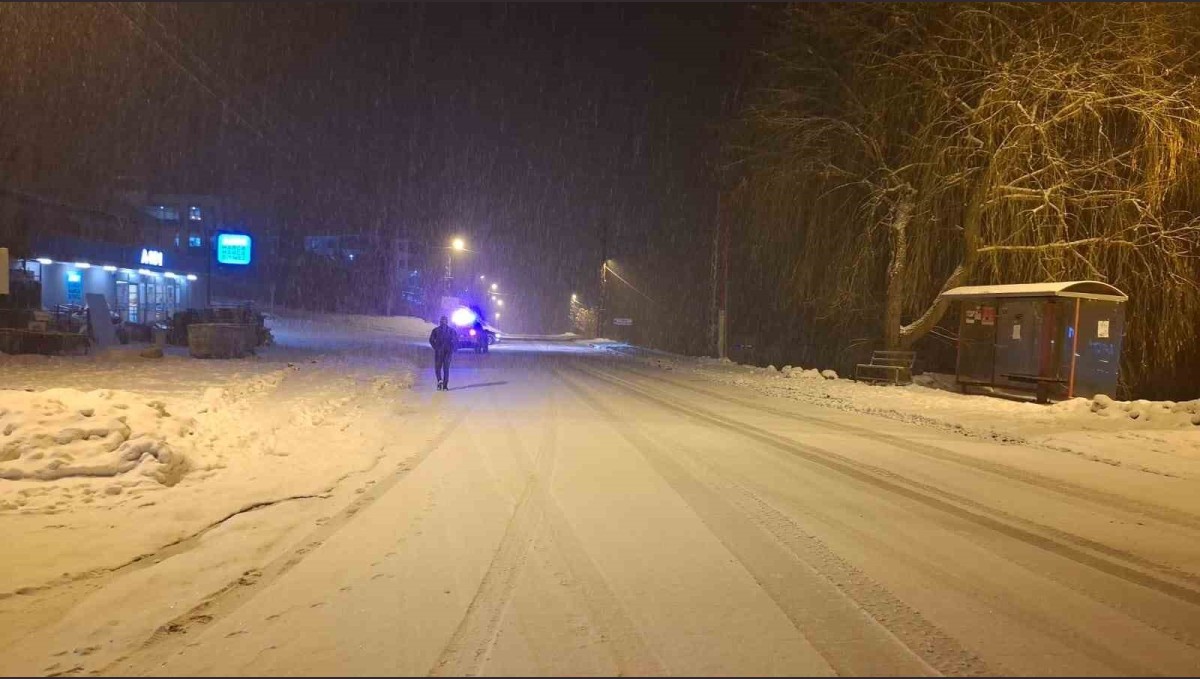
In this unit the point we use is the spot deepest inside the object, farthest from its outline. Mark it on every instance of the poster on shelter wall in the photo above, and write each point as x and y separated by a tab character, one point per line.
1016	331
989	315
971	316
1102	329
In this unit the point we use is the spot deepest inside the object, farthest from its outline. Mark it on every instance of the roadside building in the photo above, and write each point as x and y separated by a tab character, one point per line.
65	251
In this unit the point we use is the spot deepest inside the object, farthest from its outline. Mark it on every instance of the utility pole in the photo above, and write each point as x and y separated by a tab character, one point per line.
721	282
714	302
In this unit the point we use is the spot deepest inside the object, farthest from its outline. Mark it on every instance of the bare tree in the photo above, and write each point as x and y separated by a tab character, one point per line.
913	148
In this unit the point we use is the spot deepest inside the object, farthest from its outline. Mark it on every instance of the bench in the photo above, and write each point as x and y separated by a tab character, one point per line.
893	367
1043	384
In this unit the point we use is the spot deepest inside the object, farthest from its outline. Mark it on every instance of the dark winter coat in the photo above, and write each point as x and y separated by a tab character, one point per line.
443	339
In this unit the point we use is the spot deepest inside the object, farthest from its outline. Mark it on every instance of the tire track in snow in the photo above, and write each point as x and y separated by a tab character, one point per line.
1108	560
1061	487
859	627
169	636
538	516
1182	586
468	648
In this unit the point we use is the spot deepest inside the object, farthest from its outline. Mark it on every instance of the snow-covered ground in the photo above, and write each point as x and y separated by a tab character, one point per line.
1154	436
121	454
573	508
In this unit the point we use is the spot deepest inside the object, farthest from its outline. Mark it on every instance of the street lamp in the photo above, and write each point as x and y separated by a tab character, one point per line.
574	297
499	302
495	287
456	244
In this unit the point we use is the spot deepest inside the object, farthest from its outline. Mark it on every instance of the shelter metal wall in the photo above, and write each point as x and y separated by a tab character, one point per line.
977	342
1019	335
1101	334
1035	336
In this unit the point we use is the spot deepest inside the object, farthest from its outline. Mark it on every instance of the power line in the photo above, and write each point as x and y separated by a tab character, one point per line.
212	73
225	103
610	270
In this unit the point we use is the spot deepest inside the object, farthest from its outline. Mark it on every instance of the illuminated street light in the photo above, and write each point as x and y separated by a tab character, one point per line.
495	287
499	302
574	297
82	265
43	260
497	316
459	244
481	276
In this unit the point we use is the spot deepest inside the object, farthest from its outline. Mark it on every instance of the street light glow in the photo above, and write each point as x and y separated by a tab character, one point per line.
499	302
481	276
495	287
574	297
459	244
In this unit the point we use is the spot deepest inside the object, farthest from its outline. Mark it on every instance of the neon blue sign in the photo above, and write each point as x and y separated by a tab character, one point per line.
233	248
74	287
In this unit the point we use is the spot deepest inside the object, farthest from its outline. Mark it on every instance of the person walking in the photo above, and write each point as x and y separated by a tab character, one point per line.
443	339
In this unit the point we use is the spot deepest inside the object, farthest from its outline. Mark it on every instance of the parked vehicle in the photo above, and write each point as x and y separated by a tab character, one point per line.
472	331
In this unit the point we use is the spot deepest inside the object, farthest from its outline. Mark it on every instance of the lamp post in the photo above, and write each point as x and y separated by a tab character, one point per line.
603	281
456	244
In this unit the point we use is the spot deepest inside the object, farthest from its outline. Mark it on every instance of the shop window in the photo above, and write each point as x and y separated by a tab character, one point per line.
132	304
122	300
194	213
74	287
195	241
163	212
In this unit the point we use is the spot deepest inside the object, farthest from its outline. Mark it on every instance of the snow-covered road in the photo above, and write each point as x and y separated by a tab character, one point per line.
568	510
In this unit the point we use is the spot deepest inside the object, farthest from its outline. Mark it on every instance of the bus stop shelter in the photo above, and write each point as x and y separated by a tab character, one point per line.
1058	340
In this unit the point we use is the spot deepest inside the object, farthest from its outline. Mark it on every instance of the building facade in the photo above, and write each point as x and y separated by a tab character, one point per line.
141	284
150	256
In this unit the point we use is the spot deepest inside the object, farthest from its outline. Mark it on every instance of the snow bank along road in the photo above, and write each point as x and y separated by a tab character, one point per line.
566	511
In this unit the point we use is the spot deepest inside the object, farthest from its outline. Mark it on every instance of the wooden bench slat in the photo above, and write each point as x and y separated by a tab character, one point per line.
887	365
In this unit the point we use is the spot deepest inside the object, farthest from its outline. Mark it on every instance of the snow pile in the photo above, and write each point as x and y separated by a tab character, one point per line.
1161	437
63	434
1161	413
310	323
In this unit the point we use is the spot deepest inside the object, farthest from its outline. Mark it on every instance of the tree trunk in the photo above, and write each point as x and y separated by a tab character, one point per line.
972	223
894	304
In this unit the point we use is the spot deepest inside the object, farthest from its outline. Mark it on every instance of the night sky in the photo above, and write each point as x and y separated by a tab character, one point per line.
525	128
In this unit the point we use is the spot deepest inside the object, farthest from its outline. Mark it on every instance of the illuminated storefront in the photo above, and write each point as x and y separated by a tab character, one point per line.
142	285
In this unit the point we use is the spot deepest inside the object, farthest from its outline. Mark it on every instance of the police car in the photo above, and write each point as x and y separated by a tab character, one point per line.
472	331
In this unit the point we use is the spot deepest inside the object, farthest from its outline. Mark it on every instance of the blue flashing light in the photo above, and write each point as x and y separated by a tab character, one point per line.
462	317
